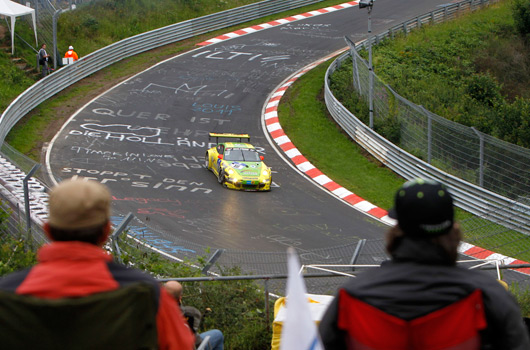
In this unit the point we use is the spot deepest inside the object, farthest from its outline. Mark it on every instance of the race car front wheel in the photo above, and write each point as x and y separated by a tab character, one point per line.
221	177
207	161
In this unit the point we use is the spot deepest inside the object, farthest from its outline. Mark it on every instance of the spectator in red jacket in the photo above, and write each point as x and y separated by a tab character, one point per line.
193	316
75	265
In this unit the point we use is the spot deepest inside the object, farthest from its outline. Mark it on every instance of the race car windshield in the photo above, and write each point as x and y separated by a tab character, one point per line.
242	155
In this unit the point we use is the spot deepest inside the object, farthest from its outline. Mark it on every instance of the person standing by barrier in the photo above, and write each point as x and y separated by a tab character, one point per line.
193	316
74	265
43	60
71	54
422	283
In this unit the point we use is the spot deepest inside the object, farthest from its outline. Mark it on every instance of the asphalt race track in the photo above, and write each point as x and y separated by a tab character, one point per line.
146	139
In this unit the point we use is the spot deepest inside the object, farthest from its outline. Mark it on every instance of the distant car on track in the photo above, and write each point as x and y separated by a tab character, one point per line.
238	165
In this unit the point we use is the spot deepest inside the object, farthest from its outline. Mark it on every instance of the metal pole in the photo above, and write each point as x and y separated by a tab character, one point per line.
357	252
37	22
481	157
26	200
429	134
267	308
55	18
212	261
355	69
370	69
116	235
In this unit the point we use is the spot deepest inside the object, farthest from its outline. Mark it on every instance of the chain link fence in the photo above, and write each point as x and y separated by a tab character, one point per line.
46	13
465	152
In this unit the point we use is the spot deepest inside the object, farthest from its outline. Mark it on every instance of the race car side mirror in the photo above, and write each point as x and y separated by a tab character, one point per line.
261	157
220	156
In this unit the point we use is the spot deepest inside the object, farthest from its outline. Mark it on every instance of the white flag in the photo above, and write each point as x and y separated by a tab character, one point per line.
299	331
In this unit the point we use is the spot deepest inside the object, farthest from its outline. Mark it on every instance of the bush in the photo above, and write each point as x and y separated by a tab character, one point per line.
15	253
513	122
484	89
237	307
521	16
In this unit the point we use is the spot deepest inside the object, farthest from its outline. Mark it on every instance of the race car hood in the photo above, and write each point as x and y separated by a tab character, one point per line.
247	169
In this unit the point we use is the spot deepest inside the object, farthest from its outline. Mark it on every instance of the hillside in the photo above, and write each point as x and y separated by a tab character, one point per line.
474	70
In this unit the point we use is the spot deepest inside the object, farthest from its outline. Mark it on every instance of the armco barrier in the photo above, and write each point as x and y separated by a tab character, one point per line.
470	197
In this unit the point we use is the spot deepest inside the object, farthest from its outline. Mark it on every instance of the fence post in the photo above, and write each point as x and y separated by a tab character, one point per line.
37	12
26	200
212	261
481	157
115	237
355	68
267	307
357	252
55	53
429	133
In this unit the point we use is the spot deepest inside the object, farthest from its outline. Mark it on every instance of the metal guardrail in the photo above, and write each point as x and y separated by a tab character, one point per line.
468	196
87	65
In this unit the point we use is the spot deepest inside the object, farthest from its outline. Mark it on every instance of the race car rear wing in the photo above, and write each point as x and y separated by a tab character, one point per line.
228	135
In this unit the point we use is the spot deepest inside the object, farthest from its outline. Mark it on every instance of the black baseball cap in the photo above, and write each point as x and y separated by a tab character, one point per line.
423	208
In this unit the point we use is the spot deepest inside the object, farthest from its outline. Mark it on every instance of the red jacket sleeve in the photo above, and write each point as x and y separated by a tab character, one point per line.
173	332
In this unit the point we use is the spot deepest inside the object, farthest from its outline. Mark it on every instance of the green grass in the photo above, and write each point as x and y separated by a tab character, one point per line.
303	117
14	81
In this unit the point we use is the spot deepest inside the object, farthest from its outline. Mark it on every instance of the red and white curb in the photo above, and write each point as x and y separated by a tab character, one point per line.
276	132
277	22
282	140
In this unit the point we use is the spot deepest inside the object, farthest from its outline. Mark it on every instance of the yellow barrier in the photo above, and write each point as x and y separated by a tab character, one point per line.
317	305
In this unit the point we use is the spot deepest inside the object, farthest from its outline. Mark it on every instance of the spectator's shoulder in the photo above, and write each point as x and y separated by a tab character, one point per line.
12	281
126	275
190	311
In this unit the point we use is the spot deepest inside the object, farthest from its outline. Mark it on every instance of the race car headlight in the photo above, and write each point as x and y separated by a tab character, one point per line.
230	171
265	173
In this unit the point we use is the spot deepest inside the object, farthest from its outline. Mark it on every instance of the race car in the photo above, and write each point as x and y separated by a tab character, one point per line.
238	165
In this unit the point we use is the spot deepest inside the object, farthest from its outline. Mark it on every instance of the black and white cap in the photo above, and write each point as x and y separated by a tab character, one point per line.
423	208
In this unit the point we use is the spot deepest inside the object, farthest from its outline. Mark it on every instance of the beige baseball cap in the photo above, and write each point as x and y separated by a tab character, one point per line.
78	203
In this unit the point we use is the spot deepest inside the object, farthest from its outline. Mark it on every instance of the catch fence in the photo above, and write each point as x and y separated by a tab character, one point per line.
462	151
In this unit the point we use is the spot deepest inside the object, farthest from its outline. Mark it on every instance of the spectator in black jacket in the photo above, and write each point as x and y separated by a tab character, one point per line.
422	275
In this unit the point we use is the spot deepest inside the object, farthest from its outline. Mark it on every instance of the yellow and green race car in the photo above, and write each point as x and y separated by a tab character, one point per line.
238	165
